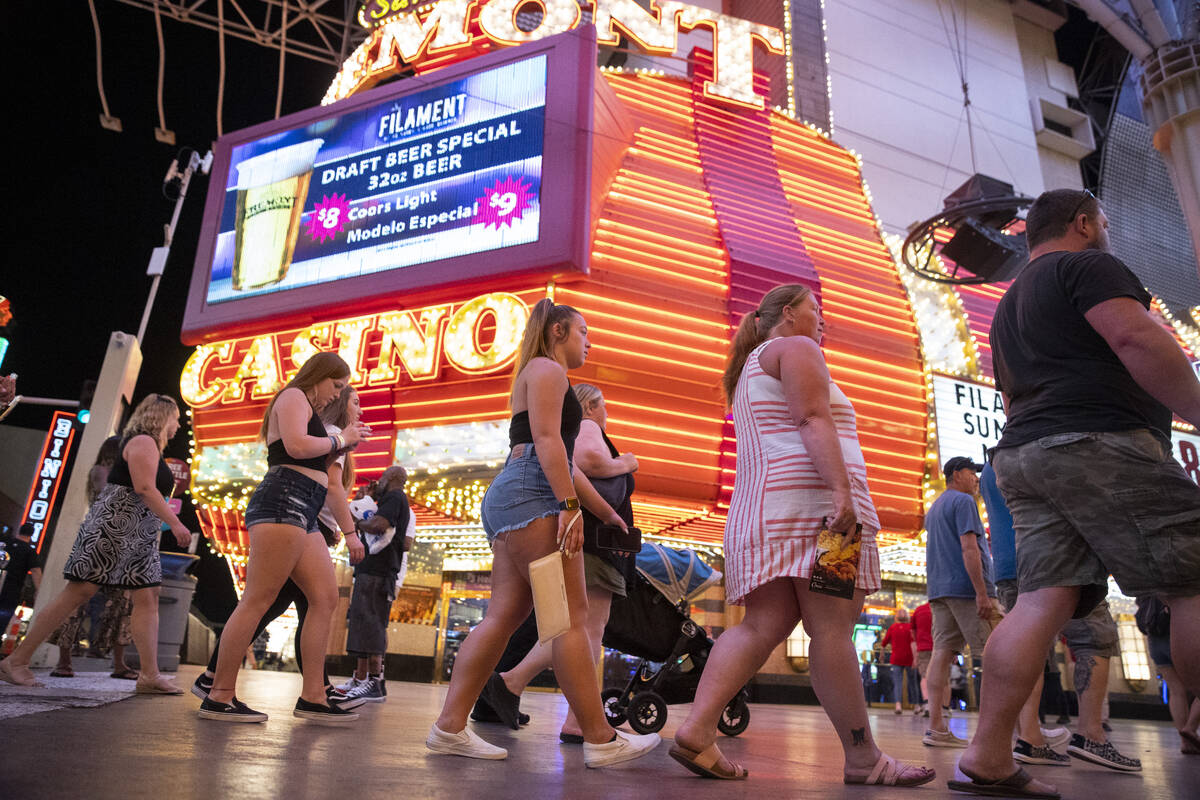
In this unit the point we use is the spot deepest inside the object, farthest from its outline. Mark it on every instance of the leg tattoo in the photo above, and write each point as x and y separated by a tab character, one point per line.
1083	673
860	736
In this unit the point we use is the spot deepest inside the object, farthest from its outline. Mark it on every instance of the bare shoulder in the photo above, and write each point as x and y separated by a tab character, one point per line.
290	397
792	352
141	445
544	371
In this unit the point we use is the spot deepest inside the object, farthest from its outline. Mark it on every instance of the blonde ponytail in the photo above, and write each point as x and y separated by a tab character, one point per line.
538	340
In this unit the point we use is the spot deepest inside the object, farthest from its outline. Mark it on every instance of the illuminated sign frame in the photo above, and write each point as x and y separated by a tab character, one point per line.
53	463
565	226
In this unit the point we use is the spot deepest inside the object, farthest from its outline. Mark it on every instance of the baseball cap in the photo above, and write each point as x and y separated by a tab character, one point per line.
960	462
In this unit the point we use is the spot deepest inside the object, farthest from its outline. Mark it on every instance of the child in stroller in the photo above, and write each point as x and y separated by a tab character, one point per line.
652	624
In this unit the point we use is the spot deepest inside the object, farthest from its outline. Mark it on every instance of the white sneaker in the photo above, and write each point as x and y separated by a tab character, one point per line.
626	747
1056	737
349	685
465	743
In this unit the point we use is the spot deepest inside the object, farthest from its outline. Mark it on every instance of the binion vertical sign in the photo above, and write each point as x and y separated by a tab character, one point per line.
52	468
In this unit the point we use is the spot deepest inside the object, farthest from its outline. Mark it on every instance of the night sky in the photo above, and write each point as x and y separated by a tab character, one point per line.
82	222
84	206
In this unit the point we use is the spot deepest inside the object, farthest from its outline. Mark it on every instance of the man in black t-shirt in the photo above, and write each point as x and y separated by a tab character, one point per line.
387	536
1089	380
22	561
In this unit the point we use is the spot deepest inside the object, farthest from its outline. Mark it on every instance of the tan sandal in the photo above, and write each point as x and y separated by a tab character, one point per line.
706	763
889	772
21	676
158	685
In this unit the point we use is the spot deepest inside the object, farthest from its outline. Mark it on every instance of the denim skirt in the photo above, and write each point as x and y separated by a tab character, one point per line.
519	495
286	497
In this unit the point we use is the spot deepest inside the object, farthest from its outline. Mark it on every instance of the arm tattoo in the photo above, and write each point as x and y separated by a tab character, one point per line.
860	736
1083	673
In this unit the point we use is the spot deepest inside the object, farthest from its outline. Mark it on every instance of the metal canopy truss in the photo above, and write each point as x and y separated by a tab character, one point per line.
321	30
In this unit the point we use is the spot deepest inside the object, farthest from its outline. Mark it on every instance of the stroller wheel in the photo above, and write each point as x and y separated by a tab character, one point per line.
735	718
611	700
647	712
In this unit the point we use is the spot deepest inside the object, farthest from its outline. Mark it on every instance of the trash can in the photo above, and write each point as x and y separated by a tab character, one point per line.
174	603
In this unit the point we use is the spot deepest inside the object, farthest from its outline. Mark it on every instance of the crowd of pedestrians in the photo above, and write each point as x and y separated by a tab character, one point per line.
1081	486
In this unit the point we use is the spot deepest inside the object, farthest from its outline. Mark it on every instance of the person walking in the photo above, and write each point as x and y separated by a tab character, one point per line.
922	626
280	516
531	510
1090	380
1154	620
334	516
117	545
958	564
904	654
611	474
796	436
375	580
23	560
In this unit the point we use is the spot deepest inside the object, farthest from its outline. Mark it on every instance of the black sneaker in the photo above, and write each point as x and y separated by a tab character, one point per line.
1028	754
342	700
202	686
482	712
1102	753
506	704
235	711
322	714
372	690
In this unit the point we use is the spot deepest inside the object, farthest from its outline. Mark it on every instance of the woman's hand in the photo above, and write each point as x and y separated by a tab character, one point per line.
570	540
354	434
844	516
183	537
355	546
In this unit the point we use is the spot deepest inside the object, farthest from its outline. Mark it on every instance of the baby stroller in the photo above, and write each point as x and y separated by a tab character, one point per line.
652	624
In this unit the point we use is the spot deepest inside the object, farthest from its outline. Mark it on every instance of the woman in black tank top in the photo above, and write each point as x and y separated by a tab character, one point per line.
117	545
530	511
281	519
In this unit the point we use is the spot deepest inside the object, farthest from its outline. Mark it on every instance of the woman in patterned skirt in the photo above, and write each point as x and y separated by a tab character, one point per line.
117	545
799	464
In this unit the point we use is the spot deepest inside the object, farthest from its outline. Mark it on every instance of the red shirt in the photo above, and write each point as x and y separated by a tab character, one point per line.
900	636
922	624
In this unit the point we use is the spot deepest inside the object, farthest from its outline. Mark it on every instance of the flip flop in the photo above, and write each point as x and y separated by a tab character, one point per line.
125	674
1191	743
570	738
159	685
62	673
889	772
706	763
9	676
1012	786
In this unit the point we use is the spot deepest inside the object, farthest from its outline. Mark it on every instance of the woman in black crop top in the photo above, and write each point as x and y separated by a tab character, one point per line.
117	545
281	519
531	510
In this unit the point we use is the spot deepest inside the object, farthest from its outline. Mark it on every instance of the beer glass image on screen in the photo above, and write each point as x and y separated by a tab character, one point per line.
272	190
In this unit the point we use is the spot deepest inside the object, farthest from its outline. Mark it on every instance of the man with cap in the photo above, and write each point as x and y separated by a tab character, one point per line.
958	569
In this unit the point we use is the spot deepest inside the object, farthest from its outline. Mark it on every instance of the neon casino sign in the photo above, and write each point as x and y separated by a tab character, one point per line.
408	343
405	34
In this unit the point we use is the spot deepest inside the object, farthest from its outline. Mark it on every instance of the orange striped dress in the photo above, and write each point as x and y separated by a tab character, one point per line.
779	498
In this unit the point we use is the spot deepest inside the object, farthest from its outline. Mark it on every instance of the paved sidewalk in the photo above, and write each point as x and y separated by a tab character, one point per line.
155	747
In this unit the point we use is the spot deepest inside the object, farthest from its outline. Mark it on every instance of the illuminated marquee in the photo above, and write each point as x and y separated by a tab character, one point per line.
43	496
479	336
451	25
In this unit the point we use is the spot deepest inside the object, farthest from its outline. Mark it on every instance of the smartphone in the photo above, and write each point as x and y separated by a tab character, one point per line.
613	537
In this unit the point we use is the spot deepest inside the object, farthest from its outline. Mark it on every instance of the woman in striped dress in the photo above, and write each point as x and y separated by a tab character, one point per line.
799	463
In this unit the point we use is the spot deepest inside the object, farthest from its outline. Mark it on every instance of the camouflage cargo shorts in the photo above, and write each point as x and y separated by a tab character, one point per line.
1086	505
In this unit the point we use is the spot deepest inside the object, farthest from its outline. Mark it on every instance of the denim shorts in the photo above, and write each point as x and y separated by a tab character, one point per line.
286	497
519	495
1085	505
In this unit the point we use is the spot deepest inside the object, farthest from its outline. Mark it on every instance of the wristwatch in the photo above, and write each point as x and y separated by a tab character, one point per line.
570	504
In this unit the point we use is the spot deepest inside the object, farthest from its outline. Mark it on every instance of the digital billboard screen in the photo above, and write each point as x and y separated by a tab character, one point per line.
477	171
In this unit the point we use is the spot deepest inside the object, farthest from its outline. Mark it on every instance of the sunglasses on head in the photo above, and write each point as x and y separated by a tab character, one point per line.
1087	195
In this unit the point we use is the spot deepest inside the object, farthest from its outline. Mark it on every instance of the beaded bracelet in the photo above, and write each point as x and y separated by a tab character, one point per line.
333	444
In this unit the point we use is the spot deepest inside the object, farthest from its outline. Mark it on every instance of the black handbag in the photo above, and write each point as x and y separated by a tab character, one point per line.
1153	616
